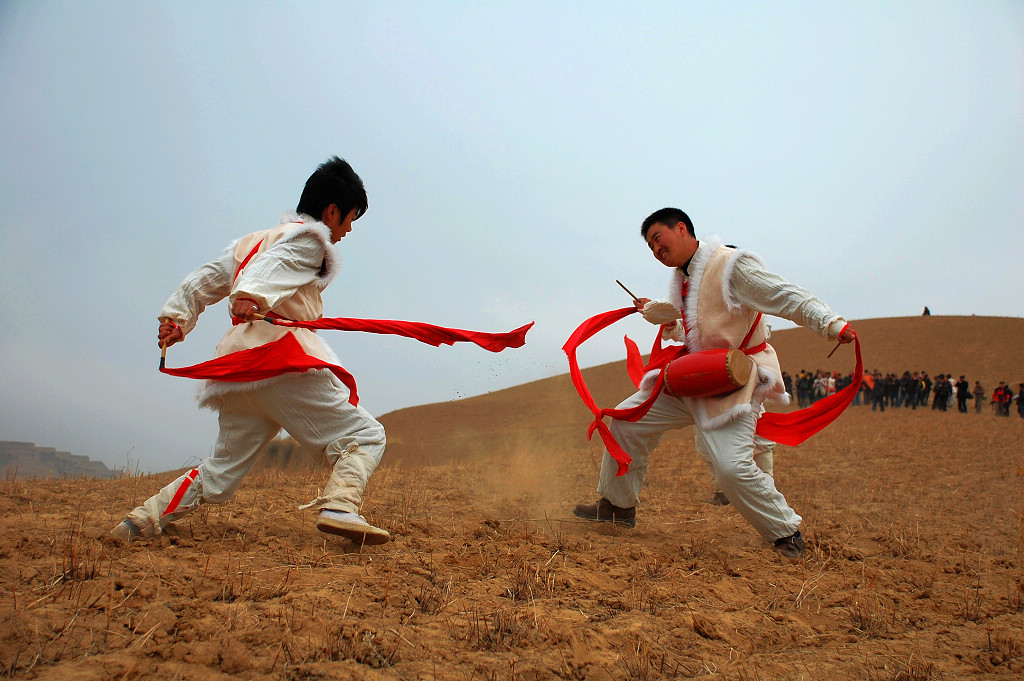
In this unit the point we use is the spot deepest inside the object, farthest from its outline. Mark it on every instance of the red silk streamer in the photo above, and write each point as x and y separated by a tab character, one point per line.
789	429
795	427
282	356
424	333
634	365
286	355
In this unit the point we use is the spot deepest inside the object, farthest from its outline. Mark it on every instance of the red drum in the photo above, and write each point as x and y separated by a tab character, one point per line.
708	373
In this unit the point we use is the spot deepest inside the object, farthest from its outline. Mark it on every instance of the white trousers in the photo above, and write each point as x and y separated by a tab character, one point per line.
729	453
764	456
314	409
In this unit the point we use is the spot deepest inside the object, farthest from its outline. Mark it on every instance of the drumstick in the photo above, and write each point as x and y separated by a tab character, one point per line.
163	357
635	299
834	349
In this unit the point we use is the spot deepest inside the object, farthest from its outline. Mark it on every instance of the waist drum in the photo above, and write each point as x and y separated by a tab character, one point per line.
709	373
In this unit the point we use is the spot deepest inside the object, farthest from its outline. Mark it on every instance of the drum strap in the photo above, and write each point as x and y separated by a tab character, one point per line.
246	260
760	347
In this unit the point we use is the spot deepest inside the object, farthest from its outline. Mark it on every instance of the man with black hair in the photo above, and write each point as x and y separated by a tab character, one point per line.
276	272
963	393
942	391
715	300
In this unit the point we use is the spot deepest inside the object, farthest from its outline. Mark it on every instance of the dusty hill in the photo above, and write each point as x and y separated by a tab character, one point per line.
24	460
978	347
914	569
973	346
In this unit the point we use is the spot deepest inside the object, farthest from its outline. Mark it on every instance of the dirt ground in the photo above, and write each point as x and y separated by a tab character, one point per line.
914	570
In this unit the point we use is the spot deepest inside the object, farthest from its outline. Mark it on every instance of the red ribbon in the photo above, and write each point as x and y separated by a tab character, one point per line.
795	427
790	429
286	355
634	365
424	333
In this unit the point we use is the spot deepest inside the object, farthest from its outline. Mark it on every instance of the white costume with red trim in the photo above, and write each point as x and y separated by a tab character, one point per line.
285	270
726	290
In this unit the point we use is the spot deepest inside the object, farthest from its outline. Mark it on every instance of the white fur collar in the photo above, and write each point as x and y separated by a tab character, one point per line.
689	306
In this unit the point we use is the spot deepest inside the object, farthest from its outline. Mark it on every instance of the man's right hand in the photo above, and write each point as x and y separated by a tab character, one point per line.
169	333
659	312
245	309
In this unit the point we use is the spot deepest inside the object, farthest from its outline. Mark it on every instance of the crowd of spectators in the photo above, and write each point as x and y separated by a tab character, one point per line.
909	391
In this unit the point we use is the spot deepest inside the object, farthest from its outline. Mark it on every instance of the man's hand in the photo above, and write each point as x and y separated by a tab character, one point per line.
660	312
245	309
847	335
640	302
169	333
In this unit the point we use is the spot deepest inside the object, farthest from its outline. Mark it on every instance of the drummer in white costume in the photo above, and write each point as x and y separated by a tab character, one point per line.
716	294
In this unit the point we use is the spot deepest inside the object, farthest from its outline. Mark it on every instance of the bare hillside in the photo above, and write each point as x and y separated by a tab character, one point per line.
549	413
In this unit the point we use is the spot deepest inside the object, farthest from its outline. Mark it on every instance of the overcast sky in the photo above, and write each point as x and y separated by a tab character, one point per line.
870	151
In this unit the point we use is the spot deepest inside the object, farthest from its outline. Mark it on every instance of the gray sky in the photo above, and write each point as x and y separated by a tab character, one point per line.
871	151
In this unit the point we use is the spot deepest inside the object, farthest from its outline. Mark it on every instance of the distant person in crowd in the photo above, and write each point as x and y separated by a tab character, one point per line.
893	385
979	396
910	385
1007	399
878	393
927	312
963	393
282	269
942	390
866	388
926	388
843	381
716	297
820	385
1001	397
1020	399
804	385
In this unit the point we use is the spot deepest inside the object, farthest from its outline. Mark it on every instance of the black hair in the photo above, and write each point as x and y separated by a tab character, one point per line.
335	182
669	217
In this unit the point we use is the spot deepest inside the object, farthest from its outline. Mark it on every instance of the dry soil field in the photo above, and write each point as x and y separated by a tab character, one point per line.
914	567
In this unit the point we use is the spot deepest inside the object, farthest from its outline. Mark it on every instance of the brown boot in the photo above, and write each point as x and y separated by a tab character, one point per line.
604	511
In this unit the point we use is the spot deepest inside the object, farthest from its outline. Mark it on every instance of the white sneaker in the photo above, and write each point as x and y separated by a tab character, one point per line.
350	526
125	532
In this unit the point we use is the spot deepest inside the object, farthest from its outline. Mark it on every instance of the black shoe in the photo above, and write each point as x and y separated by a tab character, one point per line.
791	546
719	499
604	511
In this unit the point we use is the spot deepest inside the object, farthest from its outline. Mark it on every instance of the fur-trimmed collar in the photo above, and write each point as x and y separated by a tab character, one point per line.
689	306
697	264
